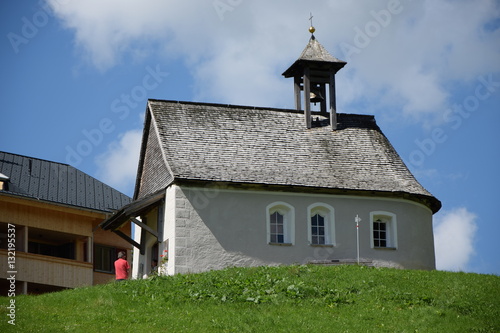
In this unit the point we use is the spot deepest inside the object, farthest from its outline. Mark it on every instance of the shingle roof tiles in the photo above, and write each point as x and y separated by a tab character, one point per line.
314	55
314	51
272	146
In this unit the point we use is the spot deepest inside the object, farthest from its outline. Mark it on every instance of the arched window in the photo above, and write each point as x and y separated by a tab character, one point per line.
321	224
383	230
277	233
280	223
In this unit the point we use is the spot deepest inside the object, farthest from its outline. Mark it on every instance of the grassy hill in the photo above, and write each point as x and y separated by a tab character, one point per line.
271	299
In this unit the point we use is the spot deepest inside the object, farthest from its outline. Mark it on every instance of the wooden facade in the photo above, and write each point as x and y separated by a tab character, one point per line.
54	245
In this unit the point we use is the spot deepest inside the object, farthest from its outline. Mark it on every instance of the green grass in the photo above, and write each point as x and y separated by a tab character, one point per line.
271	299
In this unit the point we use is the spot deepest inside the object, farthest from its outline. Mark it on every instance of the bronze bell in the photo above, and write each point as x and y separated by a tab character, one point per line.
316	96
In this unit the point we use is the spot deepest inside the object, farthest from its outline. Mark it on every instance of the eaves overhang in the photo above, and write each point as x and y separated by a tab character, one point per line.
431	202
132	210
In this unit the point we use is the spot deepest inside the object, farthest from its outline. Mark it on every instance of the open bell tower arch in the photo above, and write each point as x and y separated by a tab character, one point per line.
313	71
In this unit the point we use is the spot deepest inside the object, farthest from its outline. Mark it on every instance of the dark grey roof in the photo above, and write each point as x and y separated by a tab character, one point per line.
58	183
316	55
249	145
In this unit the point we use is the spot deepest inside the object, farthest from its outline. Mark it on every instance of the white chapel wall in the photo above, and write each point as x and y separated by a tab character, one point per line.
216	228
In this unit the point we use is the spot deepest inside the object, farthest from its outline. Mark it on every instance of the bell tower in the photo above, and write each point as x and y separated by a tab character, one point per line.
312	72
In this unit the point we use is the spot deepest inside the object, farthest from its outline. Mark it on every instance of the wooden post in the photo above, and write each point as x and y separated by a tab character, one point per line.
140	246
296	89
307	97
79	250
90	249
322	89
24	287
23	239
145	227
333	103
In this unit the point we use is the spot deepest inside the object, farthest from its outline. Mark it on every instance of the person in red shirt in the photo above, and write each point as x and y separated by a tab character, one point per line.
121	267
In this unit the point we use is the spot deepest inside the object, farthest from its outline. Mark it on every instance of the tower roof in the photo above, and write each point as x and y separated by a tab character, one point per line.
316	56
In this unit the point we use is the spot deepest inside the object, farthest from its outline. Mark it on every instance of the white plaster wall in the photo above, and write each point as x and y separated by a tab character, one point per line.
141	264
169	240
212	229
208	233
137	259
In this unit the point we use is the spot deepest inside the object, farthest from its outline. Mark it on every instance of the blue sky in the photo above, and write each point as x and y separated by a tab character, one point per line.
75	78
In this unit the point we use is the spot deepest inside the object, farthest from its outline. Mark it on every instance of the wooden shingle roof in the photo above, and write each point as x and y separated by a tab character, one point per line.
316	56
57	183
250	145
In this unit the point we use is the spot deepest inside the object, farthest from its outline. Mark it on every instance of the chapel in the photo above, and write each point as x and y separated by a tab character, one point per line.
227	185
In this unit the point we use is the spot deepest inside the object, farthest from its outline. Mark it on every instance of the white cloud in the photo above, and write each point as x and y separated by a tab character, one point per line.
454	233
407	60
117	167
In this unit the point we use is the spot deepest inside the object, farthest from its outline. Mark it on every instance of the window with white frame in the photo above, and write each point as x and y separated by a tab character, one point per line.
277	232
318	233
321	224
383	230
280	223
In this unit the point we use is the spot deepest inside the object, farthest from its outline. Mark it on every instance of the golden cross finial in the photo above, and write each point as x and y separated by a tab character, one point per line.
311	28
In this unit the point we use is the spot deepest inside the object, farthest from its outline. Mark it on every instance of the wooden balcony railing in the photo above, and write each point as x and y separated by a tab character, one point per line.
48	270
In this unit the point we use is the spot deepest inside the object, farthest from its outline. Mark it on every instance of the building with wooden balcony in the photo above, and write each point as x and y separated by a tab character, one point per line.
49	235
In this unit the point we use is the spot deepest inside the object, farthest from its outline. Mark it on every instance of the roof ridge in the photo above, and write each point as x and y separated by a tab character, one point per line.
36	158
227	105
254	107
